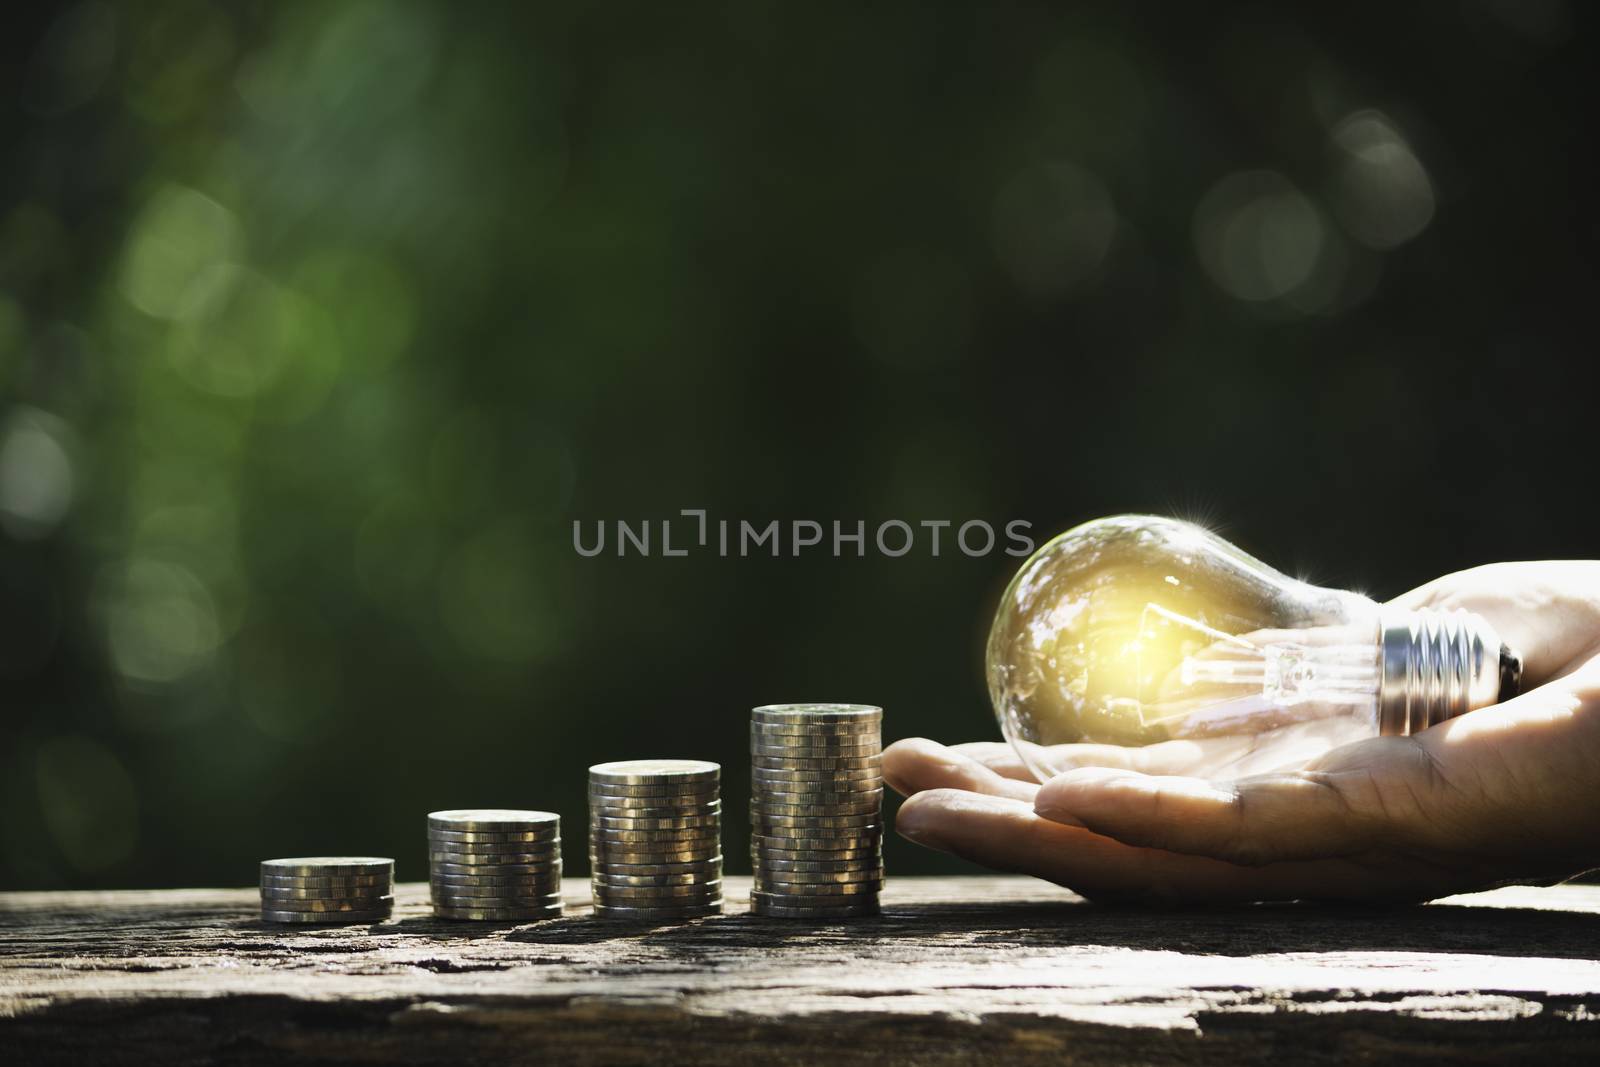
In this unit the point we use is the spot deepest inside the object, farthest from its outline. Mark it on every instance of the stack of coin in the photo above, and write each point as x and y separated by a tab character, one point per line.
327	889
816	810
494	864
655	839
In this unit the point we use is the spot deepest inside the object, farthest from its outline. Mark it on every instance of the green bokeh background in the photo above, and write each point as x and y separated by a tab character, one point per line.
320	324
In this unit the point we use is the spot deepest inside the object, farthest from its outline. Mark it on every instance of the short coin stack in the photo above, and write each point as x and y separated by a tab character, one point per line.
495	864
816	810
655	839
327	889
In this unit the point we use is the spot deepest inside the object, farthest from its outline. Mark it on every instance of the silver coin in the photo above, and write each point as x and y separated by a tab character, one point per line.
493	820
273	915
668	851
862	743
495	840
766	884
872	832
349	881
796	809
650	795
626	880
666	894
841	843
788	880
821	866
828	738
493	859
493	871
345	904
812	783
648	771
811	900
682	838
327	866
820	712
807	776
764	779
779	911
699	868
812	798
525	889
762	856
821	733
501	915
629	810
494	900
683	822
652	859
641	914
770	761
818	826
810	760
372	892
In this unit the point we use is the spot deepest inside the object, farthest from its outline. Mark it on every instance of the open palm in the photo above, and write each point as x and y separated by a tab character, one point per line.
1508	793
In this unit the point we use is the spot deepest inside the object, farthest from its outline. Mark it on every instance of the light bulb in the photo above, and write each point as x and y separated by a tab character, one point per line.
1138	631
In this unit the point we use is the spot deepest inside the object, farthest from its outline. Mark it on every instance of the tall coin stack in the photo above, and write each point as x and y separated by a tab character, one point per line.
327	889
655	839
495	864
816	810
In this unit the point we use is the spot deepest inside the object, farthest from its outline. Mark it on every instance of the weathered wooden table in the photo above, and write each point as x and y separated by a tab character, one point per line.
990	970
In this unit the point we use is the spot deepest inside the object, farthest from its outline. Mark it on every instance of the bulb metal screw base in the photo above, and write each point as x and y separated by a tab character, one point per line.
1435	665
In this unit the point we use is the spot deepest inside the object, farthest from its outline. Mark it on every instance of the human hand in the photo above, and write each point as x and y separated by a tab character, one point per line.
1509	793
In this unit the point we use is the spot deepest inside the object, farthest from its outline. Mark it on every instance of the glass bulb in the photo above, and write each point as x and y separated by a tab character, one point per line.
1151	633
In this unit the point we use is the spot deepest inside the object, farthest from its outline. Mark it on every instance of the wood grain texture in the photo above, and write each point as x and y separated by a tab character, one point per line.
958	970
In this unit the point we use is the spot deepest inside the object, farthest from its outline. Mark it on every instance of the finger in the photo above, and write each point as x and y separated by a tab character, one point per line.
1164	757
1007	835
1547	611
916	764
1252	821
999	757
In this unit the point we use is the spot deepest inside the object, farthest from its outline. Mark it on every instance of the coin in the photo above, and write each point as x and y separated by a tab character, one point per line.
492	859
697	867
623	880
870	875
328	866
349	881
809	775
493	820
819	735
790	823
871	805
347	904
814	797
494	900
764	780
273	915
521	837
639	896
504	915
851	843
829	737
642	914
689	836
685	822
821	866
632	863
810	900
816	713
765	884
825	914
763	762
516	889
633	856
278	892
493	870
648	771
650	796
627	809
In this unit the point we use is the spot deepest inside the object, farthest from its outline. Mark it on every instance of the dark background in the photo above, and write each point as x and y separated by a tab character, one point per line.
320	324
